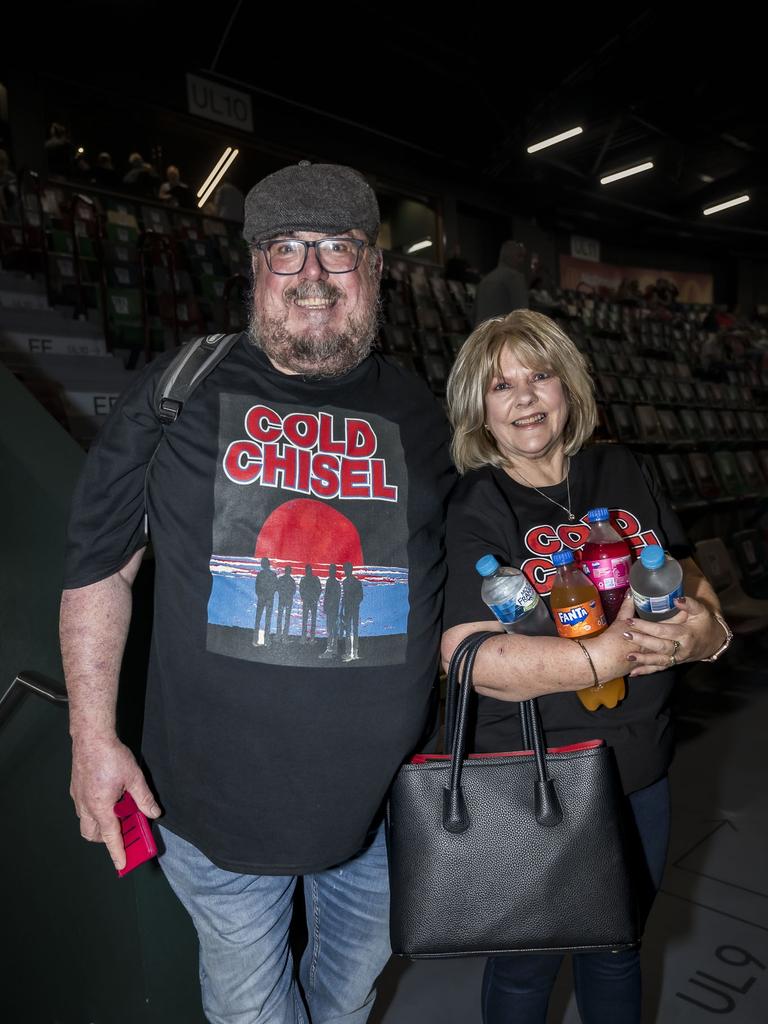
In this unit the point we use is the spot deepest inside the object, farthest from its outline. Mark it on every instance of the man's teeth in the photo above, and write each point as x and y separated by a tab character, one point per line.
528	420
314	303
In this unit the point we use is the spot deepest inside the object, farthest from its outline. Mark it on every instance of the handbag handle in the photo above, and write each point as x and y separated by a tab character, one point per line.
458	694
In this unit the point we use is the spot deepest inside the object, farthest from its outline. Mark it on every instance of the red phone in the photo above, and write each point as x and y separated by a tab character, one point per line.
138	840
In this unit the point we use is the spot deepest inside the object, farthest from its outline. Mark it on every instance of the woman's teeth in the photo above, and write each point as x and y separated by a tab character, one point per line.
528	421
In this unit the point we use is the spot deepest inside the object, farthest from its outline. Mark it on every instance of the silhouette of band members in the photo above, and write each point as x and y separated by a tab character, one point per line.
341	607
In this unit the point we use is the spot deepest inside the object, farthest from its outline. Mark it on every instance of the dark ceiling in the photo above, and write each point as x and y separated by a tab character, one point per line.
466	93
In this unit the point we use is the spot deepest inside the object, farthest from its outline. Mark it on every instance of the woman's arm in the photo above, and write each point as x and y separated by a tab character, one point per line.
516	667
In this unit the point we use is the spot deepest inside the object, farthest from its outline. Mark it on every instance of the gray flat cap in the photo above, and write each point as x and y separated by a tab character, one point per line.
311	197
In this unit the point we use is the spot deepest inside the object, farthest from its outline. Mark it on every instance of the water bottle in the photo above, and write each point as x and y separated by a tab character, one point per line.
655	580
512	599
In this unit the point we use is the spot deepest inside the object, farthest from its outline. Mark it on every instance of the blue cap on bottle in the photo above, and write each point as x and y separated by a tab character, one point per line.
562	558
652	556
487	565
598	515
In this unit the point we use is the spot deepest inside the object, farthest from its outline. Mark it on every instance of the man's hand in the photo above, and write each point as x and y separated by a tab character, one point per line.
102	770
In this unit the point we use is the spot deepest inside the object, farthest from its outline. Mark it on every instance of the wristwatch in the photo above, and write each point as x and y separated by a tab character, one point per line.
726	643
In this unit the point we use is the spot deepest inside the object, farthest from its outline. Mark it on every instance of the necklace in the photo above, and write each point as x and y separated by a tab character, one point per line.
571	516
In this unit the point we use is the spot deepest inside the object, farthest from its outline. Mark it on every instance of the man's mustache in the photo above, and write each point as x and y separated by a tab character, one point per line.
313	290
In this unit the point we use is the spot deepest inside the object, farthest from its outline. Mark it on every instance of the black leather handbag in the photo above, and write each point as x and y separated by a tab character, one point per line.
517	852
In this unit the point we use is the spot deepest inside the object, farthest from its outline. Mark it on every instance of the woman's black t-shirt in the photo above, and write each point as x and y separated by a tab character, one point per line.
490	513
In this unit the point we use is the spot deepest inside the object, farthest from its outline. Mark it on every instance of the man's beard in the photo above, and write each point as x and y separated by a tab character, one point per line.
318	351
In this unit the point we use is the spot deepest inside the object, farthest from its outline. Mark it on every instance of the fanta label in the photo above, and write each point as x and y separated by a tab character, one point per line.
579	619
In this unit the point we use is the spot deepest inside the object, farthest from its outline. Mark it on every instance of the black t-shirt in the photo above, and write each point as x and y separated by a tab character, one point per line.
264	754
490	513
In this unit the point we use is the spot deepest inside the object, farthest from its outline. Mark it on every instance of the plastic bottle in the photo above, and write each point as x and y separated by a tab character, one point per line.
512	599
579	614
606	560
656	580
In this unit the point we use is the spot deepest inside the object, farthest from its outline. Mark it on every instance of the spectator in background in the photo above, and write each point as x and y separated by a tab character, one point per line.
9	188
59	151
104	173
82	171
458	269
229	202
142	177
173	190
505	288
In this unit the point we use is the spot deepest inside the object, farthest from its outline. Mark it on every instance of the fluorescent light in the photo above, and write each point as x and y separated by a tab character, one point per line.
424	244
207	194
725	206
211	176
554	140
625	174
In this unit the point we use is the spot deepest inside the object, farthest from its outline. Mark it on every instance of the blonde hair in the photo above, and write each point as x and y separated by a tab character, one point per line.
539	344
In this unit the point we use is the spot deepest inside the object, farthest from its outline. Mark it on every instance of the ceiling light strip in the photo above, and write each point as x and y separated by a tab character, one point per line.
725	206
206	195
211	176
554	140
625	174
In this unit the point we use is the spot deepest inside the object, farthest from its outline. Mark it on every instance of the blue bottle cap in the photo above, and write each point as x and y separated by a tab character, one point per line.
562	558
652	556
487	565
598	515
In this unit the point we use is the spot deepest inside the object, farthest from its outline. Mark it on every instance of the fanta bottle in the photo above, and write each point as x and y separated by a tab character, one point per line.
606	560
578	614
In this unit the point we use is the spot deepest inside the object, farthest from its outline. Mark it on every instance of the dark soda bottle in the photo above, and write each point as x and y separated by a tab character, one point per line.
606	560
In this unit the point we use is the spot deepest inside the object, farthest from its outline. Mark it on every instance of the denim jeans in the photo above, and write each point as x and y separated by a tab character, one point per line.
246	965
516	989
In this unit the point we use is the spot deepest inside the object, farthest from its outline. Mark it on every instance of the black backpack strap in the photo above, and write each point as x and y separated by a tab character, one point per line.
191	366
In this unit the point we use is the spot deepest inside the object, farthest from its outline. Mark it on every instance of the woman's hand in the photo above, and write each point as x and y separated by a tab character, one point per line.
692	634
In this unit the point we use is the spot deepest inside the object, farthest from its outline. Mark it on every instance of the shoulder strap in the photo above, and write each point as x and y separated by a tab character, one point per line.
192	365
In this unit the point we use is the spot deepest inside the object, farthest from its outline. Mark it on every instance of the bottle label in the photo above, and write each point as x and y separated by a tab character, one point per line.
608	573
579	619
515	608
656	605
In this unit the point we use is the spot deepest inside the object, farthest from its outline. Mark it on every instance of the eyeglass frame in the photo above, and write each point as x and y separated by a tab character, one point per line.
360	244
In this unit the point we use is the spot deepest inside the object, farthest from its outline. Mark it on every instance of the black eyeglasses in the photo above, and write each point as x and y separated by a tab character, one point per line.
335	255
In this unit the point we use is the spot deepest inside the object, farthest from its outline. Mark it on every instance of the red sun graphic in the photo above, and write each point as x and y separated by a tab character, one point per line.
309	532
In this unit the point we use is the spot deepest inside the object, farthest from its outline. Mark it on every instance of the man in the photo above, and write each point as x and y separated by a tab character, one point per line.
266	588
505	288
309	591
286	588
331	602
351	599
267	762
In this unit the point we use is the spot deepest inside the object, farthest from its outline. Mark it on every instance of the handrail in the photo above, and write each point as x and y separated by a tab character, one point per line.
77	199
28	174
30	682
166	250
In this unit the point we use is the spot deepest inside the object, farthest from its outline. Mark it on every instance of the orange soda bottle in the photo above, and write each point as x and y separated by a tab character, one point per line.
578	614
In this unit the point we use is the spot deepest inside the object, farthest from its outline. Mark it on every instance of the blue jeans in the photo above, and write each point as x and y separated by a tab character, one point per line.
243	922
516	989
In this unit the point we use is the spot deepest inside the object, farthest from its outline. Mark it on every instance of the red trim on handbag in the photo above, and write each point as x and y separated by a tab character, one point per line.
584	745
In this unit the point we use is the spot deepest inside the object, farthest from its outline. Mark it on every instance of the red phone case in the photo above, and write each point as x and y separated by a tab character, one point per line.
138	840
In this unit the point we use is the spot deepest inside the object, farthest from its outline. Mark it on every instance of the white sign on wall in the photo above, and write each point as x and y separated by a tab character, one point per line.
218	102
585	248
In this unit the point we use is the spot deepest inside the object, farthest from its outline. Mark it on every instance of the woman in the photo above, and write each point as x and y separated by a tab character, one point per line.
522	407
